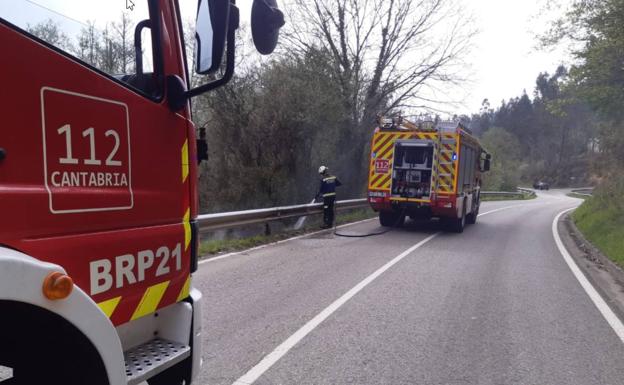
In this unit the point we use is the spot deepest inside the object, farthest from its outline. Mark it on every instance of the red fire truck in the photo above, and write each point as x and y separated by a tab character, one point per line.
425	169
98	240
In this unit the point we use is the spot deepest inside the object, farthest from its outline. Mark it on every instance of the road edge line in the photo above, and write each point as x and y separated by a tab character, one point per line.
609	315
270	359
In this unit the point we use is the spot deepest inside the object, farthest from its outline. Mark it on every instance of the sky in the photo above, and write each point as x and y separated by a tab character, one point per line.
503	62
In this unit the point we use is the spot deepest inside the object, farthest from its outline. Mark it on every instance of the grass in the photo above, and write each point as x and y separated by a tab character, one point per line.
603	225
216	246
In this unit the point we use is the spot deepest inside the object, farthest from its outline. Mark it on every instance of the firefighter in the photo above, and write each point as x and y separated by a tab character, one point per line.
328	192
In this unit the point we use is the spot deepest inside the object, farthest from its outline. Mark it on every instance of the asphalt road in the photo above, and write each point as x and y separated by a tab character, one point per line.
495	305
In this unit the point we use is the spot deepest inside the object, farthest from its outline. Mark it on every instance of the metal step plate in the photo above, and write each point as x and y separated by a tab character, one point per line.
153	357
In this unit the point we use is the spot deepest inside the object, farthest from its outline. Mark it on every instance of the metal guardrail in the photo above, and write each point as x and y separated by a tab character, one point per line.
496	193
519	191
586	191
238	218
217	221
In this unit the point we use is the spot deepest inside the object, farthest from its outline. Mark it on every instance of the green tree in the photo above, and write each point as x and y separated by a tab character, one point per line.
504	174
595	29
268	130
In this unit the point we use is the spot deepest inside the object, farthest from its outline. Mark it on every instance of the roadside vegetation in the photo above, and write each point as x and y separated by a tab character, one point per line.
601	220
570	131
594	29
213	247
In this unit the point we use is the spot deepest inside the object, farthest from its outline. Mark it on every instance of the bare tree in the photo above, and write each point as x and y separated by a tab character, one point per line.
108	54
387	54
51	32
89	44
123	30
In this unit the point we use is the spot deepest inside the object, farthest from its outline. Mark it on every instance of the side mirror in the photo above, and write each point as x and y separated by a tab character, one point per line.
211	30
266	21
217	22
486	162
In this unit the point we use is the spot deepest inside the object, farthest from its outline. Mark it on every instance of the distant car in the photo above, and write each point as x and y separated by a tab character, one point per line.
541	185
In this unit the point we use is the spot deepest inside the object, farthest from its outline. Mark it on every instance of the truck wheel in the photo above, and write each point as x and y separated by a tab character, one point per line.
458	224
471	218
38	356
176	375
166	379
391	219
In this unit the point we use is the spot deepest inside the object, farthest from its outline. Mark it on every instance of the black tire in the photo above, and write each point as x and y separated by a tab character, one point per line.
391	219
68	356
176	375
457	225
471	218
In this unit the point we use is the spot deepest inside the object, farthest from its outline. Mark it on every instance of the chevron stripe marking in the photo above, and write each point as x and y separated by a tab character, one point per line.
109	306
383	182
151	299
185	289
185	161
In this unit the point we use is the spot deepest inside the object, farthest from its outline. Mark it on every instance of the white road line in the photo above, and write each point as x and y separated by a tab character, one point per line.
278	242
605	310
254	373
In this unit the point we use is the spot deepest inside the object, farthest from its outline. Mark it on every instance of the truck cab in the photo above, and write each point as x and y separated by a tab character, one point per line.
98	169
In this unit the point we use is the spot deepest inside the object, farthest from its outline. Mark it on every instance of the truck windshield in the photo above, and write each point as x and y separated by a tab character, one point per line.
100	33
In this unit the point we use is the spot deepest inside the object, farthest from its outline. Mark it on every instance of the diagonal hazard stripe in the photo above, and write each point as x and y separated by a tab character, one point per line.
421	135
185	161
382	142
185	289
377	139
186	221
377	178
390	146
151	299
387	146
109	306
384	182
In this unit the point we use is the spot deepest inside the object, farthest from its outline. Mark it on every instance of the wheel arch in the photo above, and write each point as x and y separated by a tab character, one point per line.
21	279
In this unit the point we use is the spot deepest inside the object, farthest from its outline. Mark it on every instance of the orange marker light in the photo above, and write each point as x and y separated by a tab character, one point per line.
57	286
